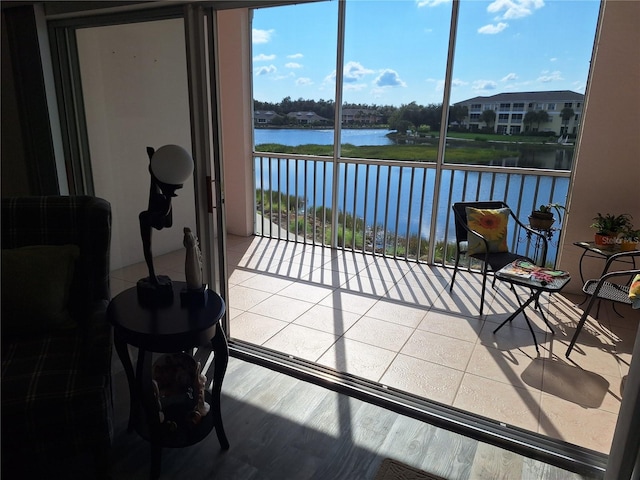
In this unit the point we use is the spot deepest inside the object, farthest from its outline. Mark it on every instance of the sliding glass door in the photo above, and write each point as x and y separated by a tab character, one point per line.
129	85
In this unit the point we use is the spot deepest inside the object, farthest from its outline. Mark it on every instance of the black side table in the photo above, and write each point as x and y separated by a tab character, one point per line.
168	329
536	287
591	250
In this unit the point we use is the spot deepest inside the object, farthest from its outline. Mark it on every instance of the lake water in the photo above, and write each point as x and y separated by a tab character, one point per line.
304	136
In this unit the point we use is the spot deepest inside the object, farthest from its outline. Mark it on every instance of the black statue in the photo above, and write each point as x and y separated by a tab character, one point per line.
155	288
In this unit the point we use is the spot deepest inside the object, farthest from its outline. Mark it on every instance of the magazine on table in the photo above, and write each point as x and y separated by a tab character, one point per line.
527	270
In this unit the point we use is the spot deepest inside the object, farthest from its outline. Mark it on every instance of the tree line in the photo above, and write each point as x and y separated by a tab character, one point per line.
410	116
406	117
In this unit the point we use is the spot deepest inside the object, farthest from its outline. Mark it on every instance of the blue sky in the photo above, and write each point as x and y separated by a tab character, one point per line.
395	50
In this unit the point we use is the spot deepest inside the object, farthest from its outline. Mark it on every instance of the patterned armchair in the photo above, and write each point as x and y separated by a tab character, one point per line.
56	343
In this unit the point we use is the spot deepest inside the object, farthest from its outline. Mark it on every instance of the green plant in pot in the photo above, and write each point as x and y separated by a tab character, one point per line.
609	227
630	239
542	218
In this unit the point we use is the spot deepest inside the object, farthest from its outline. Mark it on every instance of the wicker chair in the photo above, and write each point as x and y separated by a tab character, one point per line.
604	288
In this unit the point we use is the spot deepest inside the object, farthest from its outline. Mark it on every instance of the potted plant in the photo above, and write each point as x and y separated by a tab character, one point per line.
542	218
609	226
629	239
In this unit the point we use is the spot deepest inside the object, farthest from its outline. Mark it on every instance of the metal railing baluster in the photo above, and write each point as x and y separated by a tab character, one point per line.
461	182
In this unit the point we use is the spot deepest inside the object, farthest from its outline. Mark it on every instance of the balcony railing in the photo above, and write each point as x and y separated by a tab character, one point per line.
387	207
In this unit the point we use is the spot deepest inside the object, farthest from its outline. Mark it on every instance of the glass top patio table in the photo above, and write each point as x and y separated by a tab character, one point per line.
596	251
538	280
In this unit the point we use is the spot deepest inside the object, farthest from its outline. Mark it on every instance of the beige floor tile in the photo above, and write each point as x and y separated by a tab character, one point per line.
371	286
301	342
394	312
587	427
327	319
593	359
243	298
347	263
266	283
418	278
357	358
238	276
455	306
390	272
438	349
629	318
317	257
414	295
306	291
327	277
499	401
581	387
379	333
495	319
172	261
254	328
420	269
132	273
514	339
462	328
294	271
506	367
281	308
118	285
350	302
420	377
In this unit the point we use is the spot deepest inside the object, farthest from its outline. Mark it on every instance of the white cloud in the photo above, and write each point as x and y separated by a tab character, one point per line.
263	58
509	77
550	76
261	36
266	70
554	59
353	72
303	81
293	65
456	82
430	3
295	55
493	29
355	87
389	78
484	85
514	8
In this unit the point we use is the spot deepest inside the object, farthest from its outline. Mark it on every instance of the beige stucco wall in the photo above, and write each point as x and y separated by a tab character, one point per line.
237	129
607	171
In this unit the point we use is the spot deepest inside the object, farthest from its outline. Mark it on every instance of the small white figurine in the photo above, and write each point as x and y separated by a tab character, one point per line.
193	260
202	407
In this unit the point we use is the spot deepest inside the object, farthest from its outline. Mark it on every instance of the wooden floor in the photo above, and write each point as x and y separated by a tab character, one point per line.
280	428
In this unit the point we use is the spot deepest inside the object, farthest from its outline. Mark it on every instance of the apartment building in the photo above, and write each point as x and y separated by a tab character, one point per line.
511	112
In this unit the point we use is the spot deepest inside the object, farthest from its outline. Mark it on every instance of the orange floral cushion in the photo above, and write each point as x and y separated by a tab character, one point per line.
634	292
492	225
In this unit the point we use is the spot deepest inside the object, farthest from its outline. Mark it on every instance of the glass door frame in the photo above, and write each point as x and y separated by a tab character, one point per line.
199	25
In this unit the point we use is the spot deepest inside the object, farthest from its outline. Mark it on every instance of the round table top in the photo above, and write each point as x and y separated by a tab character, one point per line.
168	327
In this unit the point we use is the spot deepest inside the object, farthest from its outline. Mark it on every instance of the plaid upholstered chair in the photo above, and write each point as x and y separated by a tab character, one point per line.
56	342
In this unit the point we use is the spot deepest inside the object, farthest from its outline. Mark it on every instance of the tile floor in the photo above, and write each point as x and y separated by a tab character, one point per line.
397	323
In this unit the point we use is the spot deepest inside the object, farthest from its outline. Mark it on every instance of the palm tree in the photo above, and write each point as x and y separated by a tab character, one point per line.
542	117
530	117
488	117
566	114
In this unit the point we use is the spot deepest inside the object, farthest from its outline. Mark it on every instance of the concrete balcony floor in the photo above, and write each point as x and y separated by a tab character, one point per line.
396	323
